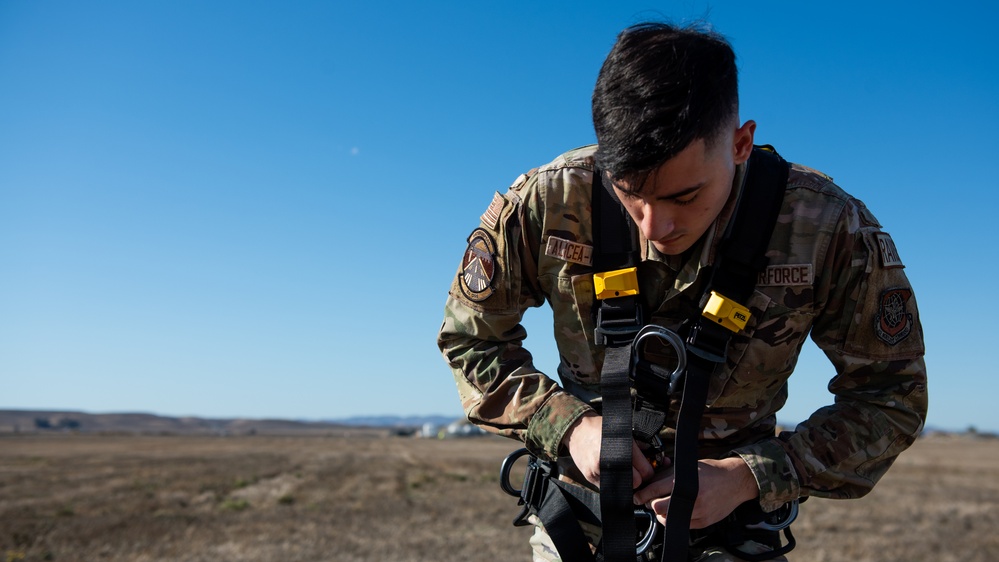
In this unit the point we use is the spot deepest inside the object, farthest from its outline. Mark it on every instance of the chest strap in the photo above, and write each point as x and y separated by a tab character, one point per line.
619	319
740	259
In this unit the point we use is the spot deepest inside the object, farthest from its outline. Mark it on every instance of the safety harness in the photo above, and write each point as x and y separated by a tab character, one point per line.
635	393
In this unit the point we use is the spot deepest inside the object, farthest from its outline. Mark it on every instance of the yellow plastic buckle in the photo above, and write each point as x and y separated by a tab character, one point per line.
726	312
617	283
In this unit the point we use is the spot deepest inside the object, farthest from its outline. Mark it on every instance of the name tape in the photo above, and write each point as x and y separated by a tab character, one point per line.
568	250
788	275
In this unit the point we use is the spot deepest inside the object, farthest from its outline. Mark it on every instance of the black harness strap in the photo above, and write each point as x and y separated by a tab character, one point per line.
741	258
561	519
618	320
559	505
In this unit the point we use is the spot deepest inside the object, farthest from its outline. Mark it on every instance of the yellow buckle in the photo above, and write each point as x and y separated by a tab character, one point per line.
617	283
726	312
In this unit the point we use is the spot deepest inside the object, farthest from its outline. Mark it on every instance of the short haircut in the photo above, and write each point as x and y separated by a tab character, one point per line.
660	88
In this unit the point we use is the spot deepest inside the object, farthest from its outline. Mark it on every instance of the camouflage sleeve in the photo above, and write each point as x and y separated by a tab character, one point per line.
481	337
868	326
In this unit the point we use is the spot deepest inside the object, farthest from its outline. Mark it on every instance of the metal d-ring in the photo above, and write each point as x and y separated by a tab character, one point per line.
508	463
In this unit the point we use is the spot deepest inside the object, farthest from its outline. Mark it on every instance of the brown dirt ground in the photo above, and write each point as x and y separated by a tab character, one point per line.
71	497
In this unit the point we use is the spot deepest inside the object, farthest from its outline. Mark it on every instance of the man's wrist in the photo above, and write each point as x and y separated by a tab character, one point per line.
776	479
567	438
748	487
547	428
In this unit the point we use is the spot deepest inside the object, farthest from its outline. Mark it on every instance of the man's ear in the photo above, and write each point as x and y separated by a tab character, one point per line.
742	143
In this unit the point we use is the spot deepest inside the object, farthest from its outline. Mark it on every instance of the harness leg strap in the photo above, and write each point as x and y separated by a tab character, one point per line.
559	520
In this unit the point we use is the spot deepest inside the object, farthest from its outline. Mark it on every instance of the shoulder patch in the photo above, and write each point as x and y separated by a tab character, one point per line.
889	254
491	217
570	251
787	275
478	266
894	321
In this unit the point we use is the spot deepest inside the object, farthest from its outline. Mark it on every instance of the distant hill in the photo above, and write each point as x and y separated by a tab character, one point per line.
40	421
43	421
394	421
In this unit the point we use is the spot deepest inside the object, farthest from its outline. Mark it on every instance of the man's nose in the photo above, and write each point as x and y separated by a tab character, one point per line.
656	223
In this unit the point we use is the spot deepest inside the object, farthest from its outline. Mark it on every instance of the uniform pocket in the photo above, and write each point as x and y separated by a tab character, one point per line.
761	357
571	299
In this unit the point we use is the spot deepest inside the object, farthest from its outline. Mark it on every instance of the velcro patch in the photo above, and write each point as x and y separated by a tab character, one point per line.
787	275
894	321
491	217
478	266
570	251
889	255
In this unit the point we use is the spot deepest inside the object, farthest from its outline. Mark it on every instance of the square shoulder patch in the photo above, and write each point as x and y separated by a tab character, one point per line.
894	321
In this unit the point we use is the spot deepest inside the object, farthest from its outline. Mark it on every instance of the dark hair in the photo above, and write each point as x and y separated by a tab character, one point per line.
660	88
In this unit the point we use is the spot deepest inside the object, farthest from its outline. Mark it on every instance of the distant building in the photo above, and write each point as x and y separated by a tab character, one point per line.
464	428
458	428
429	430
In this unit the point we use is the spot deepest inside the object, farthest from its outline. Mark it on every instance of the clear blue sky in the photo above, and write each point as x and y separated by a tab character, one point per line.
254	209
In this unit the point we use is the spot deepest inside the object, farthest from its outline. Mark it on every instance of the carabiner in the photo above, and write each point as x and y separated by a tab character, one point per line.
649	537
670	337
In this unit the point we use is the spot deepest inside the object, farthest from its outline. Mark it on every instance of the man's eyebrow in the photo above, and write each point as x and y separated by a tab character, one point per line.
681	193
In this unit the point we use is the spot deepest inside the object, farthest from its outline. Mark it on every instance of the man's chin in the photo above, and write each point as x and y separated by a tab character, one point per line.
673	247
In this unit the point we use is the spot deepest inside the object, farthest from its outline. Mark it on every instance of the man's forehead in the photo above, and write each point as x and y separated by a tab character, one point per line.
683	171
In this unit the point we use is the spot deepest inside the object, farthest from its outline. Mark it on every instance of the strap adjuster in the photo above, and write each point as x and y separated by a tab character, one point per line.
535	486
618	321
708	341
726	312
617	283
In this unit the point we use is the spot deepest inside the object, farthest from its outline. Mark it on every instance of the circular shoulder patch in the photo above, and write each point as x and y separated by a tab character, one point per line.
478	266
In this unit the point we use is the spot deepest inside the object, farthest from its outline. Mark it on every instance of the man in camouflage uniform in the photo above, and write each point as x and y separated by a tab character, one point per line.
670	141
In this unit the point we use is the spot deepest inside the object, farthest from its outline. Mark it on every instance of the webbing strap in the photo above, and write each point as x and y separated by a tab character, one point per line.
615	240
618	320
741	257
560	521
617	511
686	484
560	506
742	250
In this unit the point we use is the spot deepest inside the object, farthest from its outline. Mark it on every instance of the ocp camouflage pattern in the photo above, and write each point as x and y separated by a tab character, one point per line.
833	273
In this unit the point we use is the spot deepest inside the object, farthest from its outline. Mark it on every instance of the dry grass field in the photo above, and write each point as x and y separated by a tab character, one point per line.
68	497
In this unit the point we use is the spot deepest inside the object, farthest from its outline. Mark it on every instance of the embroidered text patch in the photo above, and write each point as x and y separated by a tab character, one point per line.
889	255
787	275
570	251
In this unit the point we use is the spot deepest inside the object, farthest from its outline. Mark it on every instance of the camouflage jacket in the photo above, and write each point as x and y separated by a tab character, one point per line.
833	273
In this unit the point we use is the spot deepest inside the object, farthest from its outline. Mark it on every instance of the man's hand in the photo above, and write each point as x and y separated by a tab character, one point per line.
722	486
583	443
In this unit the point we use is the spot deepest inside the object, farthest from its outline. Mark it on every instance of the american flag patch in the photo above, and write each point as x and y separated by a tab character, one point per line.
491	217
